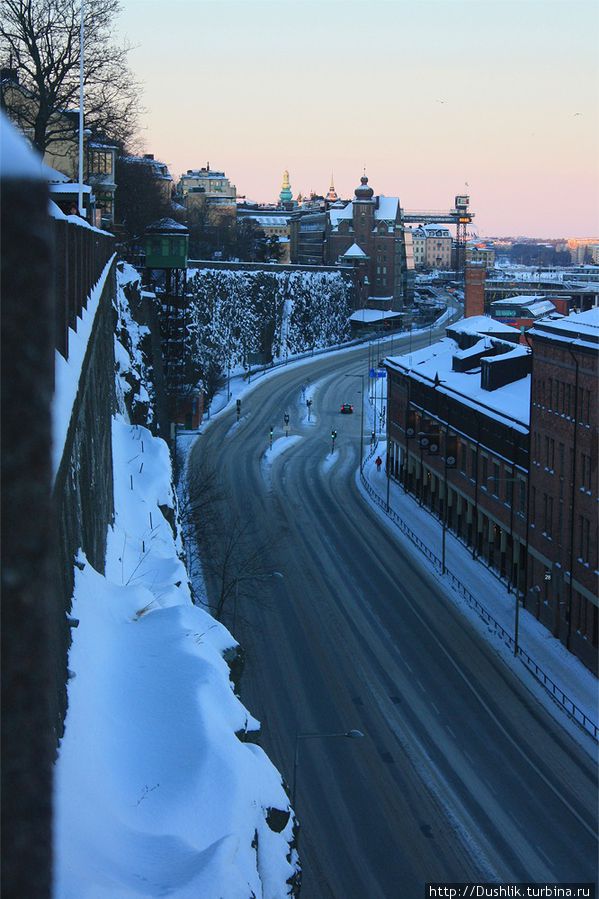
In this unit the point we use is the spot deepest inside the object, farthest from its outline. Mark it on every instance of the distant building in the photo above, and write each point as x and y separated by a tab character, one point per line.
479	251
368	233
522	311
158	170
204	191
286	196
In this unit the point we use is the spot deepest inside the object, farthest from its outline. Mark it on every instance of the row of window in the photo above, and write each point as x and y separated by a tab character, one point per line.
559	396
544	453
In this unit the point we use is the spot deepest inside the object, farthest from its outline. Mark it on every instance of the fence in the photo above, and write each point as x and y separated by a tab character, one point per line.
80	255
556	693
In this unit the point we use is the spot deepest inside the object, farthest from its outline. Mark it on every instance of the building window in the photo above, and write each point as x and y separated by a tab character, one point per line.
521	497
549	453
473	466
463	457
100	163
496	480
485	472
547	515
584	531
533	506
585	474
561	457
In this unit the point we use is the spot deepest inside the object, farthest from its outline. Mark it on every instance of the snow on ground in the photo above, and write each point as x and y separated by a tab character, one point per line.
281	445
67	372
571	676
329	461
155	793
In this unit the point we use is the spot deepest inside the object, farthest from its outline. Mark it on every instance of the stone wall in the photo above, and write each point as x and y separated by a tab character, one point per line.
83	490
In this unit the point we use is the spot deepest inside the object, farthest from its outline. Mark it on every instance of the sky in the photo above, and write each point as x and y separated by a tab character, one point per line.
498	98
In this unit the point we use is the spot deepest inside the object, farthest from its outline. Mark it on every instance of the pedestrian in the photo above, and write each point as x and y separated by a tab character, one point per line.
378	462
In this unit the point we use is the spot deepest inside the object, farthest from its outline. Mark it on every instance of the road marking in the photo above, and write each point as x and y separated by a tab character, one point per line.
450	731
541	853
435	708
420	685
410	669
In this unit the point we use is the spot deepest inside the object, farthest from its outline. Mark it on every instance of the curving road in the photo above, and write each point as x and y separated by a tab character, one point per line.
462	775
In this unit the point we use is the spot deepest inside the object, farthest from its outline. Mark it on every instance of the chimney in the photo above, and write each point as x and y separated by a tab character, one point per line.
474	292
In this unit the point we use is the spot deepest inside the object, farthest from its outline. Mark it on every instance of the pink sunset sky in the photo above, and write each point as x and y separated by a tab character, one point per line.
427	95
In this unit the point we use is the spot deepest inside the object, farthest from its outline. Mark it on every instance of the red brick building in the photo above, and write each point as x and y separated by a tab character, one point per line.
462	431
370	227
562	576
474	288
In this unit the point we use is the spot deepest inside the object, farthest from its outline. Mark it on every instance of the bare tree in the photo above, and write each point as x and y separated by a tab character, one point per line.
230	559
40	39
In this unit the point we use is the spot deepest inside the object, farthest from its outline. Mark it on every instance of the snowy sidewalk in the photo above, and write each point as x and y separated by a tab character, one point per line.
574	684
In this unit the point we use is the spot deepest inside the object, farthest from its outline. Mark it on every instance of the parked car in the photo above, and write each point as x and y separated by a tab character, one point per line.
347	409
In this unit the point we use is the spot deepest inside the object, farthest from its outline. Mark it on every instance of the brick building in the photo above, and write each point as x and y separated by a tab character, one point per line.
462	431
373	224
563	480
474	289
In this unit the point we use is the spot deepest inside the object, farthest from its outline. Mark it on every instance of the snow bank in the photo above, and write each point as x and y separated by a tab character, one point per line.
156	791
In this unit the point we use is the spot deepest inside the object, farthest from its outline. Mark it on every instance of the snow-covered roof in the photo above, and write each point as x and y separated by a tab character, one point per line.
387	210
541	307
482	324
581	327
354	252
518	299
69	187
508	404
167	224
270	221
373	315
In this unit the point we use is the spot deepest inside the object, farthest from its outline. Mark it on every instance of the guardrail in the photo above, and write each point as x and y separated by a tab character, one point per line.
80	254
555	691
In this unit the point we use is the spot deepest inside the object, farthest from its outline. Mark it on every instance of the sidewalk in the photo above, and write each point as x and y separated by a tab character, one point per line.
569	675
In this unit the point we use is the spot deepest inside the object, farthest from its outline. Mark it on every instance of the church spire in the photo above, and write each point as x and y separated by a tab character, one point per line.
285	196
332	194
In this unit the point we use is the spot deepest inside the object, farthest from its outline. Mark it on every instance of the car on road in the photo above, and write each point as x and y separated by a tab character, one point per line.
347	409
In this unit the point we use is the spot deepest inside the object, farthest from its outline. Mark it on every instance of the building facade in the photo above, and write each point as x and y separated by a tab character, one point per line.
210	193
500	442
373	224
458	440
562	583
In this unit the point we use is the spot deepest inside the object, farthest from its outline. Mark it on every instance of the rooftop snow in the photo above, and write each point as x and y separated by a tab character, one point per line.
582	326
387	210
481	324
355	250
520	298
373	315
509	404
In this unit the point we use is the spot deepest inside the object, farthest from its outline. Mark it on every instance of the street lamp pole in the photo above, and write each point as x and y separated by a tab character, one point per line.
352	734
361	418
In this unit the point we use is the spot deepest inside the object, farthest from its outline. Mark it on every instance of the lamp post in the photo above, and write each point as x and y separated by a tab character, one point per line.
80	185
351	734
362	417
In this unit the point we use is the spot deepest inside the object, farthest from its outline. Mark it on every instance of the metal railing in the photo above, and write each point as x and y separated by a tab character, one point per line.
80	254
553	689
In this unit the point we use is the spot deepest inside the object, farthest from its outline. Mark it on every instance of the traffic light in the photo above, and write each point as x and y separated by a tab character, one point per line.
333	435
286	418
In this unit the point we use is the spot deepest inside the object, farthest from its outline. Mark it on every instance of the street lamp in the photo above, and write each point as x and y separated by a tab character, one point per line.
362	417
351	734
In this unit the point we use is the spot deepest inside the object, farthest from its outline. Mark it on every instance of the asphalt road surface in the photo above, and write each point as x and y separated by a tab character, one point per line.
461	774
